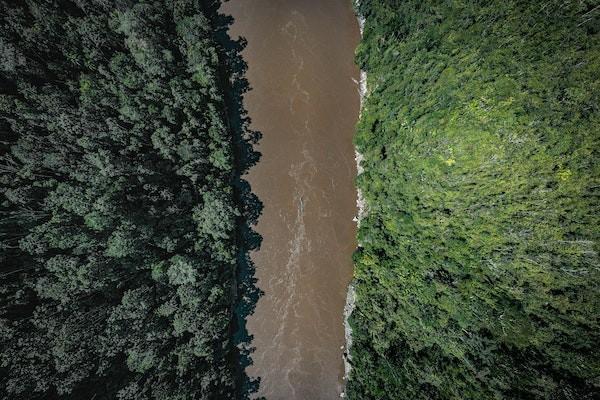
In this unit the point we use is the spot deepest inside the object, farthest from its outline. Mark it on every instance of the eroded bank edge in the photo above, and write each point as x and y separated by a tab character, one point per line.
361	210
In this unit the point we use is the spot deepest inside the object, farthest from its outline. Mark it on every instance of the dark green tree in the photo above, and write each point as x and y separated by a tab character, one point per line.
118	217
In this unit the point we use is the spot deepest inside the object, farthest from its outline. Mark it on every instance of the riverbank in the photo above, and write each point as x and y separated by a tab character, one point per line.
361	210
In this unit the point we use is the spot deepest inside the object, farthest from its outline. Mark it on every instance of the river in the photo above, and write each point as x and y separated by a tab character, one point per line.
305	101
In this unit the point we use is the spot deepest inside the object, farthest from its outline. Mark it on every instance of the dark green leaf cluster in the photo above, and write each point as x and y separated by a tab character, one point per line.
478	273
117	210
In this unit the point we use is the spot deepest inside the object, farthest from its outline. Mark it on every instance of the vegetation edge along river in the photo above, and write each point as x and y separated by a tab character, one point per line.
361	209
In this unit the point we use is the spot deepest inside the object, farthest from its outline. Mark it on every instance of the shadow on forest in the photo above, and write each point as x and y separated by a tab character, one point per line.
233	78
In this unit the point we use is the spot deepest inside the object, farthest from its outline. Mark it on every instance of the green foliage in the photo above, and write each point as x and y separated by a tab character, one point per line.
477	276
117	212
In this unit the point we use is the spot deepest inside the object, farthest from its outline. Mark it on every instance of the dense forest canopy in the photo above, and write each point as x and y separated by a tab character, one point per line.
117	213
478	273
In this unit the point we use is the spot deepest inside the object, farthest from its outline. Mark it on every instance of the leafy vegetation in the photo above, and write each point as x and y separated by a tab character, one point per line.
478	271
118	211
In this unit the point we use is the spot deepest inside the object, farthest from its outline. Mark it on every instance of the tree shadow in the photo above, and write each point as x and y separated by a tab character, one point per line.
235	84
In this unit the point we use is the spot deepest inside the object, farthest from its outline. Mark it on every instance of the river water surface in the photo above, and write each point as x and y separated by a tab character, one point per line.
305	101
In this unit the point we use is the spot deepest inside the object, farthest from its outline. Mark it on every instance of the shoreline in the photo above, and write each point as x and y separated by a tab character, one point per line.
361	210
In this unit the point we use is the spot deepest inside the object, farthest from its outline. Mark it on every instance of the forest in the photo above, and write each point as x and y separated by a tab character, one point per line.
119	211
125	223
477	275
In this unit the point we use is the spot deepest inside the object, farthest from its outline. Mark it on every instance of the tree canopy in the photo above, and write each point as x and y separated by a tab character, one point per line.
477	275
117	208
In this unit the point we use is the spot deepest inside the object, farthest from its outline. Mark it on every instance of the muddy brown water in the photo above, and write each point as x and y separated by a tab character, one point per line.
305	101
